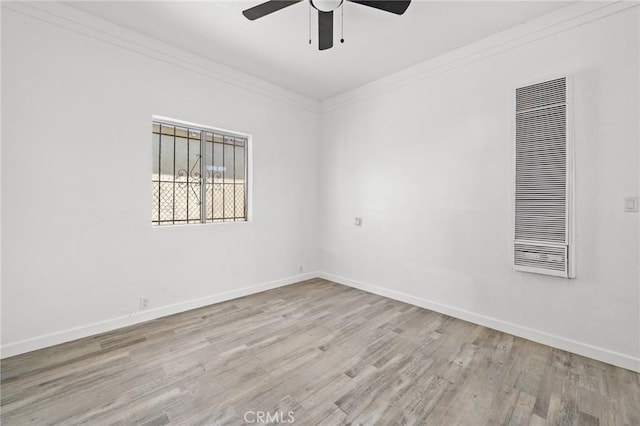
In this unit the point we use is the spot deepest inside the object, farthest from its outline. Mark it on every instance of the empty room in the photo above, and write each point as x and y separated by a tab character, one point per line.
320	212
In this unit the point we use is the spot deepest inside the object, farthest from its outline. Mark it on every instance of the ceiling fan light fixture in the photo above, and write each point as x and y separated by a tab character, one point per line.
326	5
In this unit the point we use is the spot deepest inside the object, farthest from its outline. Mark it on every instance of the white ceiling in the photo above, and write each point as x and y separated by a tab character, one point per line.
275	48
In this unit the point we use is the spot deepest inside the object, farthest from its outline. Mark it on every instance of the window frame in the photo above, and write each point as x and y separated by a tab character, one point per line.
204	129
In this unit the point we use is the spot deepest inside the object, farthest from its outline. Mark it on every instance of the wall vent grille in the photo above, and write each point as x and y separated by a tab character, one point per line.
543	257
542	181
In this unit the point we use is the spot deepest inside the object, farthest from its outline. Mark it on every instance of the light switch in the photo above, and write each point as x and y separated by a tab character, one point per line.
631	204
358	221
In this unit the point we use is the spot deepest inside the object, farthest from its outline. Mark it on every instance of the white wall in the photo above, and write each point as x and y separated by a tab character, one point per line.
428	166
78	247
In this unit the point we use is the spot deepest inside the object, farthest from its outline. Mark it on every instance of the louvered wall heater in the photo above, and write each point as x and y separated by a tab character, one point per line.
543	240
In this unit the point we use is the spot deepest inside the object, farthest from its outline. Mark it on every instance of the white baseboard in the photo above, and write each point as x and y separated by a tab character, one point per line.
58	337
600	354
584	349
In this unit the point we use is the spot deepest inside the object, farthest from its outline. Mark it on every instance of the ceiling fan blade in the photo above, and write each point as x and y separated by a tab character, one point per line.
264	9
325	30
394	6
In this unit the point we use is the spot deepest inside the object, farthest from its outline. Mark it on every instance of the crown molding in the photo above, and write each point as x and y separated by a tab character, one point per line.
80	22
561	20
72	19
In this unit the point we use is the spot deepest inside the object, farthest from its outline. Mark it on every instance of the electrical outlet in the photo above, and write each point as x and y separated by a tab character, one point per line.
300	269
144	303
631	204
357	221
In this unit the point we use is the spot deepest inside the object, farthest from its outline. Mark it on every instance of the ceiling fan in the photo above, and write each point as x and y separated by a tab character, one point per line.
325	10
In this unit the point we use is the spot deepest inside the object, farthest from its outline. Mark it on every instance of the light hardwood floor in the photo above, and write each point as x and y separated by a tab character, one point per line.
330	354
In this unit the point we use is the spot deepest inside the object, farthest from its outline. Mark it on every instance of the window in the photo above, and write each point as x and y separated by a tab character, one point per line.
199	175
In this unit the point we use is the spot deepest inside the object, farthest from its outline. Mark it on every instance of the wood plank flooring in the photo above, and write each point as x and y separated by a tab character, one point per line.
330	354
